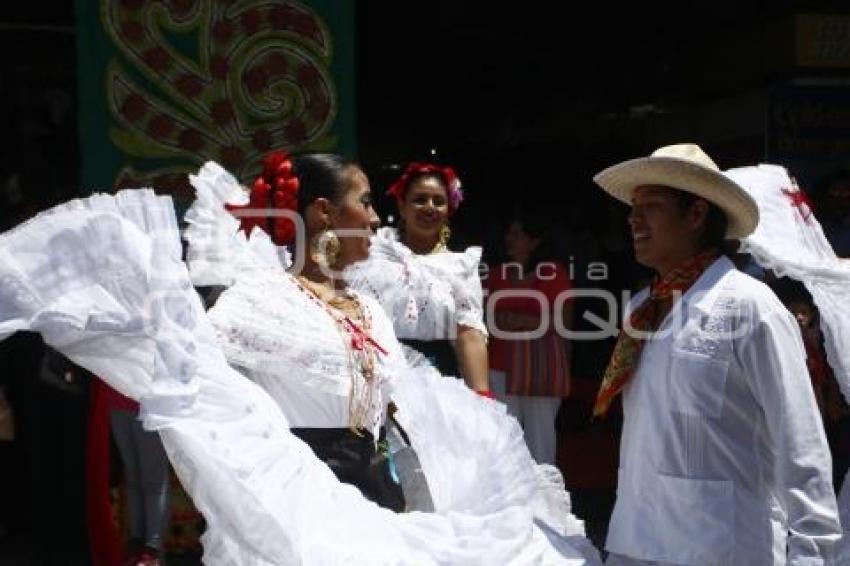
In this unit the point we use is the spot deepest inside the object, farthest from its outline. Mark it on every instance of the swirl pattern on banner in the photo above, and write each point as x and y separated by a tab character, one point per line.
216	80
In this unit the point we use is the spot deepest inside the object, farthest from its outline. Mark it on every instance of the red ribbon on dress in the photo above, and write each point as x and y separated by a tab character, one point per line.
798	198
359	337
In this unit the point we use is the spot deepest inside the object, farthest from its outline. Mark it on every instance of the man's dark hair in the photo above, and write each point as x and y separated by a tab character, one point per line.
716	222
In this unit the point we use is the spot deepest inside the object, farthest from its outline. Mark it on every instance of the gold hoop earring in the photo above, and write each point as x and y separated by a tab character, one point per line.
325	248
443	242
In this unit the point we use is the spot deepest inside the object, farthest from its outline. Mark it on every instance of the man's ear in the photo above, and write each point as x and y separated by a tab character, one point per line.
698	214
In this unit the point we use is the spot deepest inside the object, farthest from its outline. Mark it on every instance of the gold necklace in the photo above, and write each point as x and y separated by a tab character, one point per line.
351	319
360	349
345	302
440	246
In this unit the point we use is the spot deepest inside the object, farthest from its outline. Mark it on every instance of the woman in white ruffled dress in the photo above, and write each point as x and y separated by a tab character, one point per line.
305	325
790	241
101	279
432	295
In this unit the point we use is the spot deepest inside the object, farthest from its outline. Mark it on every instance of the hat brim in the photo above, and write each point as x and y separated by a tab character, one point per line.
620	181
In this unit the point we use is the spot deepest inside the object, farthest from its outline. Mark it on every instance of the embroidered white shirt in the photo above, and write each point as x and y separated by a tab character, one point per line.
723	450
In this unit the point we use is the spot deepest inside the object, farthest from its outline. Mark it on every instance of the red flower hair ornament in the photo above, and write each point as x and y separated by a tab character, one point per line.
276	188
416	169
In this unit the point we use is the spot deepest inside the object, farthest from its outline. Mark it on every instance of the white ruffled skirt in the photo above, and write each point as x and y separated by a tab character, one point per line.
101	279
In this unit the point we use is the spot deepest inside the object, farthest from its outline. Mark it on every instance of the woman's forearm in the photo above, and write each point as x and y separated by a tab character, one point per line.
471	351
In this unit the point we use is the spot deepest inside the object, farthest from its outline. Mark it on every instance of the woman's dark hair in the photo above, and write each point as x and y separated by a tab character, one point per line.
423	175
292	183
537	226
320	175
714	235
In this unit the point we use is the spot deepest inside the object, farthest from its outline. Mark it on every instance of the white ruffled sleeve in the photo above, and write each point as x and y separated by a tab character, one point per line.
468	292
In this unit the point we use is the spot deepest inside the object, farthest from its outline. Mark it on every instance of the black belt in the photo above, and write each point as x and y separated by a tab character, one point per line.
354	460
440	353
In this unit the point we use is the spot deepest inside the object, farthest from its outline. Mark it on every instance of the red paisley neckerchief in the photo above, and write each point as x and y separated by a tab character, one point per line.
646	318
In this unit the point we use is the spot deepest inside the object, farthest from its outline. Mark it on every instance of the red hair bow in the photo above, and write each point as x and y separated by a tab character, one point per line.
276	188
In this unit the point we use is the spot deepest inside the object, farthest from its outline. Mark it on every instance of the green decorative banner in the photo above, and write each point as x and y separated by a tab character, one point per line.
165	85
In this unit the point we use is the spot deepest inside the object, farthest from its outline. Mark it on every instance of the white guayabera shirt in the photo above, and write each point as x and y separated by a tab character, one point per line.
723	456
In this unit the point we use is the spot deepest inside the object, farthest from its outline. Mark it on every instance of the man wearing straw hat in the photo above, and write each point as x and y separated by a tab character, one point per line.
723	457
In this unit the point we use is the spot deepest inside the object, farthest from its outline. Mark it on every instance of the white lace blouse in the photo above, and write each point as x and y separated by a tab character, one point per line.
270	329
426	296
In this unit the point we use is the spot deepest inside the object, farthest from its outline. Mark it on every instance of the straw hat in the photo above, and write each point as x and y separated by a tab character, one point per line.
685	167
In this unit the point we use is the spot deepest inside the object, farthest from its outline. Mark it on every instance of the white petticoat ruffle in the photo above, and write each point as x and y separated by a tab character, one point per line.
101	280
219	252
474	454
104	268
